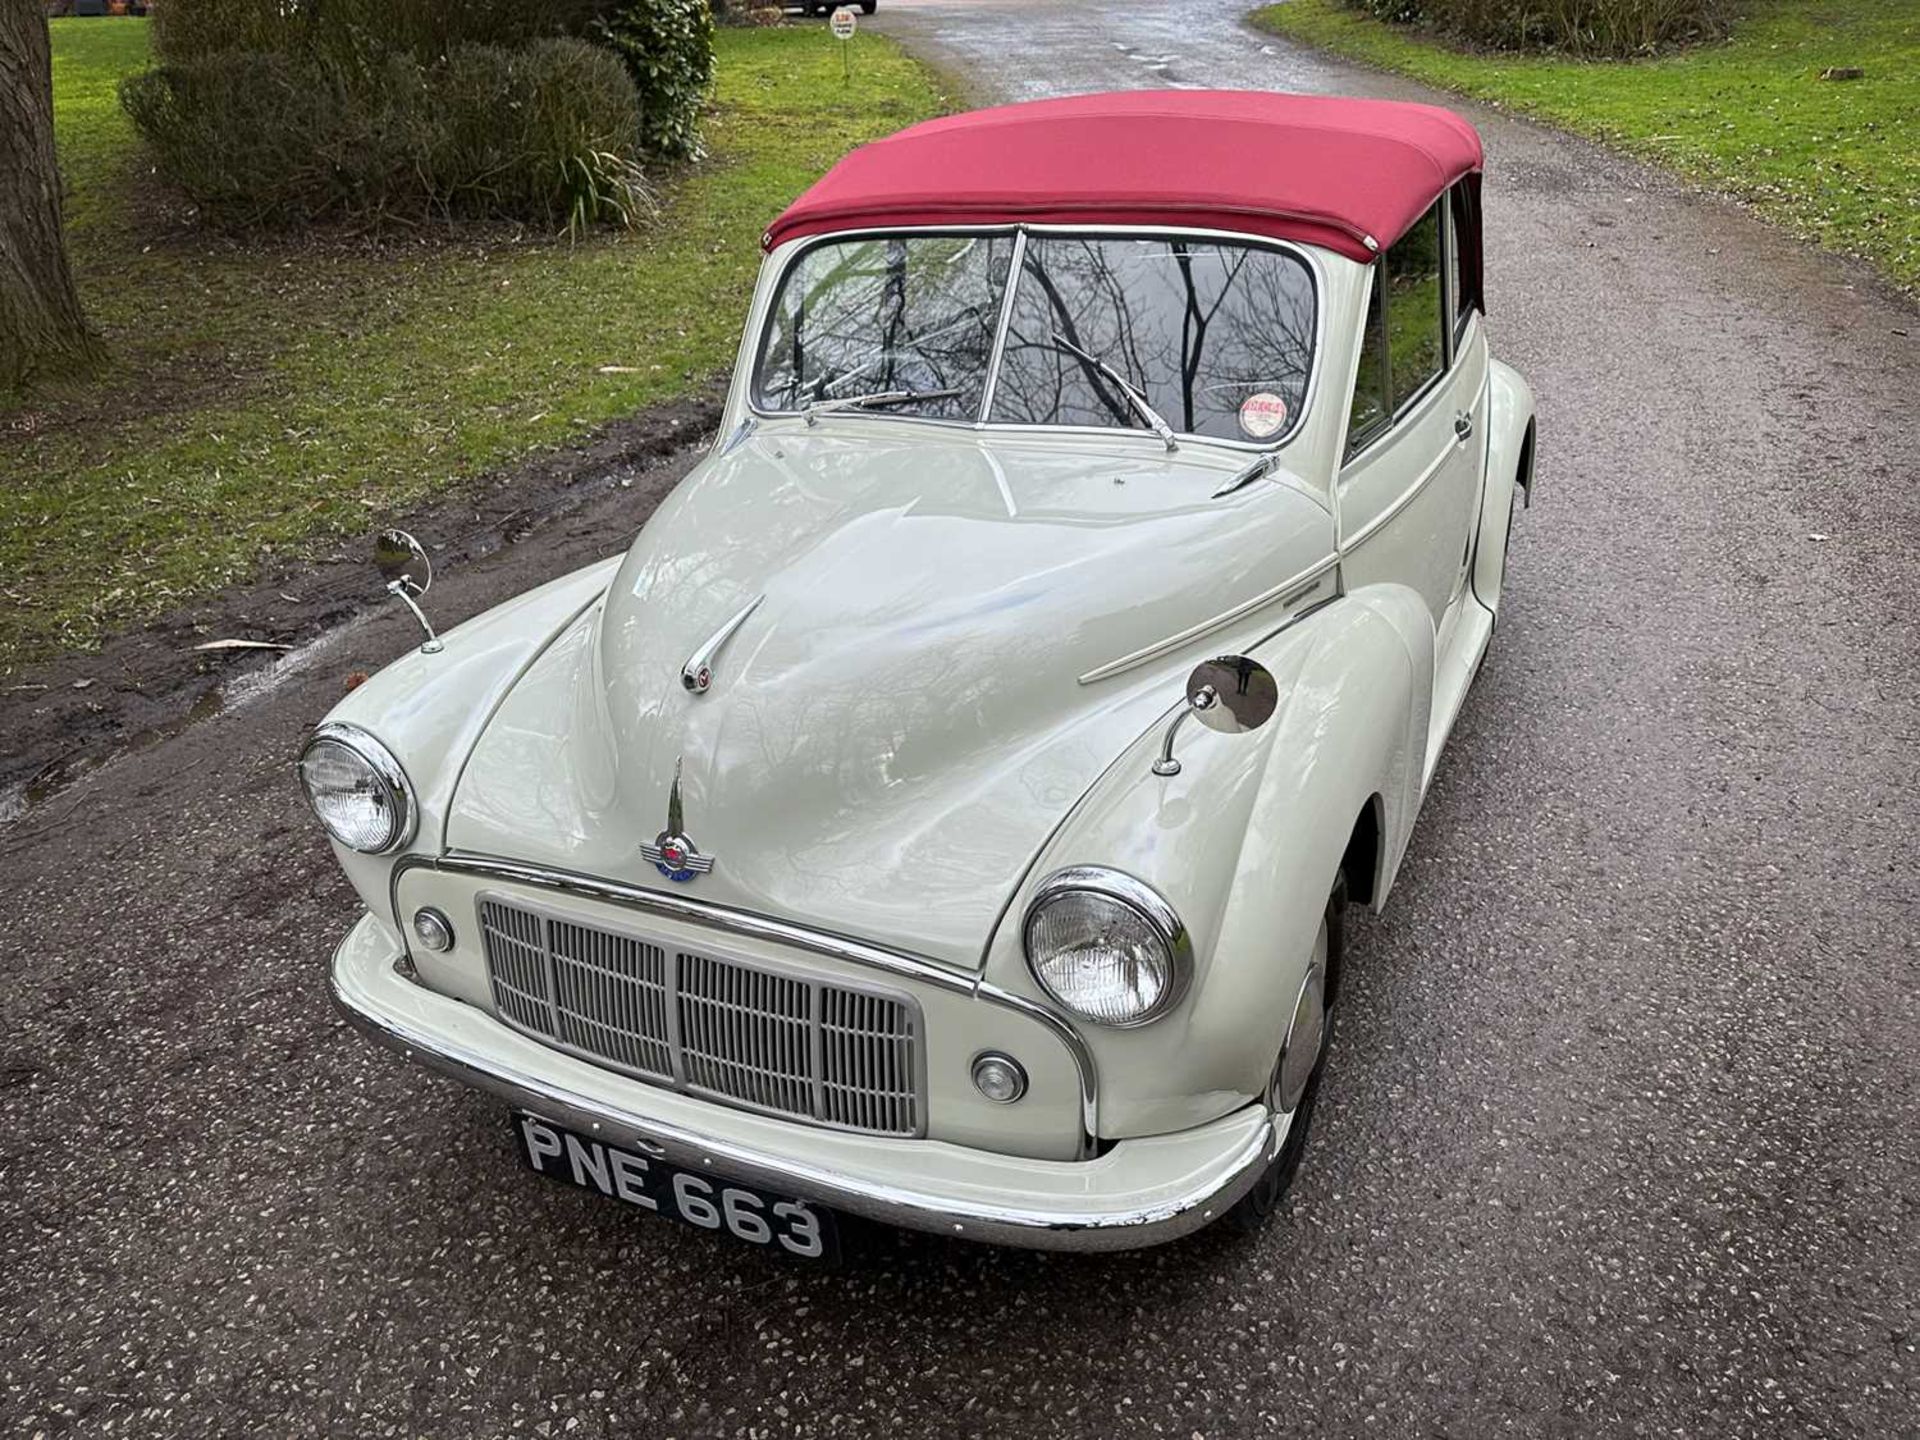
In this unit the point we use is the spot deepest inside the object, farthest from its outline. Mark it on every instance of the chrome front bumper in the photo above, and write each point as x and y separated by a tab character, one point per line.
1139	1193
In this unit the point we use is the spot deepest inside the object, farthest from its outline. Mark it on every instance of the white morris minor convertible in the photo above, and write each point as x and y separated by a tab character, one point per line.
944	811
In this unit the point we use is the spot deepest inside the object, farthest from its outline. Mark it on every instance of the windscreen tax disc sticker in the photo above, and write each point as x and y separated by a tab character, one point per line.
1263	414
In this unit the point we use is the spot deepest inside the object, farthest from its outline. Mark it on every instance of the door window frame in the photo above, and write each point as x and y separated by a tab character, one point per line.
1461	315
1453	328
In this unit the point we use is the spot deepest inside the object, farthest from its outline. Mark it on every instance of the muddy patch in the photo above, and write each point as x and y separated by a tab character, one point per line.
67	716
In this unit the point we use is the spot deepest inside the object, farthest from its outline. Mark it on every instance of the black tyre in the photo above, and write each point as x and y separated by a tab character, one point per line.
867	7
1259	1203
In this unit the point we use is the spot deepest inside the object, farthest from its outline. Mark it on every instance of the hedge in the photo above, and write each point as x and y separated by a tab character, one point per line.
1583	27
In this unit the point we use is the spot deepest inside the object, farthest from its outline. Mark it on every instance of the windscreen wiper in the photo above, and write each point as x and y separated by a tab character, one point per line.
814	411
1134	397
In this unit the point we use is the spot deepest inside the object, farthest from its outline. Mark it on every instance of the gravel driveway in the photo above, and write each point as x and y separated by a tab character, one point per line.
1619	1135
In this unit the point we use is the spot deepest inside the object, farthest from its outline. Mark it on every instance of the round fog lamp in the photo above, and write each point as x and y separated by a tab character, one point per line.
999	1077
434	930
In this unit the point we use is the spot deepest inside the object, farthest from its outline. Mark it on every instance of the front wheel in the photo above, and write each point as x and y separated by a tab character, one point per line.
1302	1062
867	7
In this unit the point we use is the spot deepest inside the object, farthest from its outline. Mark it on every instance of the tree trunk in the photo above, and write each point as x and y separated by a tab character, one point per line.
42	330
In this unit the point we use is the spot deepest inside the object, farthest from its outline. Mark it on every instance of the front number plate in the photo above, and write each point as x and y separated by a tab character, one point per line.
708	1201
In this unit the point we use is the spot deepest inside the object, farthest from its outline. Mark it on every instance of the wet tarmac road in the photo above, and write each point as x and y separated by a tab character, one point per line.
1619	1135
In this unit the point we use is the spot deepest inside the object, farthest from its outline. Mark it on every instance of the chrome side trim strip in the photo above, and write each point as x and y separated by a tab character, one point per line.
1399	426
1350	543
1239	612
777	932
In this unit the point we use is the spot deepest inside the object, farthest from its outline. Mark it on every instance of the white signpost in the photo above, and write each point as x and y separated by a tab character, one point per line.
843	27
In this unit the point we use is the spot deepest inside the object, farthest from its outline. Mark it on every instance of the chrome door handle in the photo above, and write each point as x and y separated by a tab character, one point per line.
1463	425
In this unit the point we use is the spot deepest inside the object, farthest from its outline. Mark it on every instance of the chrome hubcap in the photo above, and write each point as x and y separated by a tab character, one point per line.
1306	1034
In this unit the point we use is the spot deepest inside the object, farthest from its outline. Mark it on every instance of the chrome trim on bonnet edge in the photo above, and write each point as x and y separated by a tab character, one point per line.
1285	589
777	932
889	1204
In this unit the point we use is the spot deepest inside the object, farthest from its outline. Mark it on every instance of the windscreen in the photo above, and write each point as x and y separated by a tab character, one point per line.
1216	337
914	314
1212	336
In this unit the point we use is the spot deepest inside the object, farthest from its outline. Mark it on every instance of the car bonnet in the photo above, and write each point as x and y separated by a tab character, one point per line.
901	639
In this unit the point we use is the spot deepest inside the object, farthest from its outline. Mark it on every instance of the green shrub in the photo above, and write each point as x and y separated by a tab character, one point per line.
547	130
359	34
667	47
259	137
1584	27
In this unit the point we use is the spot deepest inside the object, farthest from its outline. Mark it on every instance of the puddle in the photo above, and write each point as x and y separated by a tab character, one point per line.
19	800
252	685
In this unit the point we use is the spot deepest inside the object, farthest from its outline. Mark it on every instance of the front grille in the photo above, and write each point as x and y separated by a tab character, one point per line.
780	1043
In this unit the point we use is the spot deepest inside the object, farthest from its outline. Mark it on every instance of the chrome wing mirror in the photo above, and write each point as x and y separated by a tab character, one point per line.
402	562
1230	694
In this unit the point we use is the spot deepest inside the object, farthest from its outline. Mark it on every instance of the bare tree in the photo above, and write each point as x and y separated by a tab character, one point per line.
42	329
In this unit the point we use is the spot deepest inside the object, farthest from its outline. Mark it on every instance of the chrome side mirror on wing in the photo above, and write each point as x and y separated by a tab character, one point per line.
402	562
1231	694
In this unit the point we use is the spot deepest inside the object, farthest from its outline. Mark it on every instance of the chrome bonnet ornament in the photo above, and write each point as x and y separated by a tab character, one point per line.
697	673
671	852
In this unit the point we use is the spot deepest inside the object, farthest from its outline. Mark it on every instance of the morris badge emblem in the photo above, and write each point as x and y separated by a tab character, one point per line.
672	853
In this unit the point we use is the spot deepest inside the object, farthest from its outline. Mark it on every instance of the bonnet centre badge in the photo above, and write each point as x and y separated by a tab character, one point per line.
672	853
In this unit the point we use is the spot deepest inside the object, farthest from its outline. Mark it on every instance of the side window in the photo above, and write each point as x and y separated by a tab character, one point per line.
1416	309
1371	412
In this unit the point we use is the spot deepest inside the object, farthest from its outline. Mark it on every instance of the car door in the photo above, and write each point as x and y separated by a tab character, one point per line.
1408	493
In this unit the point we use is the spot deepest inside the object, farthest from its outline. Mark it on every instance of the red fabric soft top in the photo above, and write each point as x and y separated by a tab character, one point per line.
1350	175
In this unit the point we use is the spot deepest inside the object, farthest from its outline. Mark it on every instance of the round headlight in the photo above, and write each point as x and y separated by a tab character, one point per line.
1106	947
357	789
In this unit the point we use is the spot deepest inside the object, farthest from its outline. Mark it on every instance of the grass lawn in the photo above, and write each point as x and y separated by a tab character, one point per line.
1837	161
270	393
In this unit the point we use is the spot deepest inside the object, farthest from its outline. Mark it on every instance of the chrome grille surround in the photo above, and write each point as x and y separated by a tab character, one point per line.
846	1056
724	920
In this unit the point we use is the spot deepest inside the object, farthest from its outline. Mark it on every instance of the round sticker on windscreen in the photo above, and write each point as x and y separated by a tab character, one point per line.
1263	414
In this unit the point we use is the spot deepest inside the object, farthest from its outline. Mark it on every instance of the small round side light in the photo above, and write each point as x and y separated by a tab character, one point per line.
433	929
1000	1078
